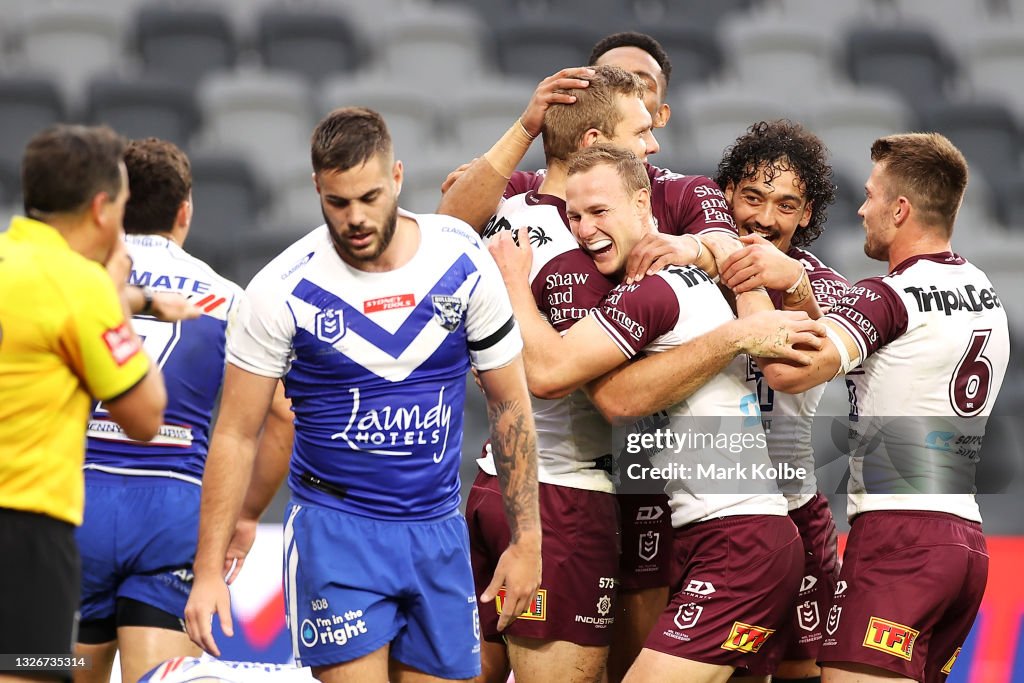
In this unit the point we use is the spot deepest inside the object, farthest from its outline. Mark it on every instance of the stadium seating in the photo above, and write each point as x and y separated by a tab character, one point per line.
794	60
712	118
1009	199
850	119
69	42
696	53
265	116
436	52
985	132
910	61
536	48
143	108
182	43
313	42
227	198
27	104
994	59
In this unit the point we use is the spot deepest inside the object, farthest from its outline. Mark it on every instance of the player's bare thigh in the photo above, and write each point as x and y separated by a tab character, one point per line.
542	661
859	673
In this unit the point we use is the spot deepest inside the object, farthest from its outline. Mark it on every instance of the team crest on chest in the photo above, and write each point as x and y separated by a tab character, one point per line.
448	311
330	325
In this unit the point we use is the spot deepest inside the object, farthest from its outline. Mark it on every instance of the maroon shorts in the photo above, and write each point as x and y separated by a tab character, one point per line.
580	551
910	587
646	560
817	530
740	577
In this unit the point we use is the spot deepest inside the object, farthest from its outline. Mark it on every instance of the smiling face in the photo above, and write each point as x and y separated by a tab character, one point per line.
769	204
605	219
360	207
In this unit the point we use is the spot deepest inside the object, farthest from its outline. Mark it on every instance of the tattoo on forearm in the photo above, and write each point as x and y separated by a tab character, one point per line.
514	446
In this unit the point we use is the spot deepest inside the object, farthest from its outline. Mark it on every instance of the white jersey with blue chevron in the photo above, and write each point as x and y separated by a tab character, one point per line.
375	365
191	355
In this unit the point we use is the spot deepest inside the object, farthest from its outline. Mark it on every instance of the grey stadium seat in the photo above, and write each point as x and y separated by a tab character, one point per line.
144	108
184	43
910	61
535	49
27	105
985	132
227	200
314	42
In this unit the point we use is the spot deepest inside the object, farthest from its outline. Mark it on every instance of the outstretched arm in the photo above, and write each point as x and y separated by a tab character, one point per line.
514	445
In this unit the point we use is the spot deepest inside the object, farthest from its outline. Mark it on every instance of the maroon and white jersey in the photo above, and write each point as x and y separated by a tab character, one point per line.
681	204
567	286
934	346
787	417
662	312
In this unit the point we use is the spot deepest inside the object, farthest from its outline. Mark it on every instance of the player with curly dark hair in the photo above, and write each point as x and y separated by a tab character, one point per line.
778	183
769	148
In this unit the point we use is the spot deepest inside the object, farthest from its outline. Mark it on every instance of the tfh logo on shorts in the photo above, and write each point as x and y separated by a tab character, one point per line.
807	615
888	636
330	325
687	615
537	611
746	638
447	311
649	545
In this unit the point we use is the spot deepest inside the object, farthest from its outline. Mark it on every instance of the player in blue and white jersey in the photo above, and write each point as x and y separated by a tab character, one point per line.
373	320
142	498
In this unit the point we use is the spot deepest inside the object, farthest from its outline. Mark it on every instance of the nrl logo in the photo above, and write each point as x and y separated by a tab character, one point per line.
330	325
649	545
447	311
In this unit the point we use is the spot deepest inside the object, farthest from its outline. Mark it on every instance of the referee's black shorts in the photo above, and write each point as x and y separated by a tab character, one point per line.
40	584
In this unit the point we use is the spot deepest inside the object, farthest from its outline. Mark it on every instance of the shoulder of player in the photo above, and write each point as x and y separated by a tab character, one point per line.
682	182
272	279
815	267
441	229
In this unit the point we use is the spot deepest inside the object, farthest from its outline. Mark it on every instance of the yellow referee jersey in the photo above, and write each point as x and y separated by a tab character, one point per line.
63	340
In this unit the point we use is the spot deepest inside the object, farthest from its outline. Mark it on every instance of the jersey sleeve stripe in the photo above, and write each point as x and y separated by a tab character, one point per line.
858	336
492	339
616	338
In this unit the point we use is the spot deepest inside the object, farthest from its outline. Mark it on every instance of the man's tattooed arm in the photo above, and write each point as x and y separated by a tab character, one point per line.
514	446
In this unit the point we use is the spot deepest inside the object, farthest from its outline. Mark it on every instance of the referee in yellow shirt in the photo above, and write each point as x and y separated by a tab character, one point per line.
65	340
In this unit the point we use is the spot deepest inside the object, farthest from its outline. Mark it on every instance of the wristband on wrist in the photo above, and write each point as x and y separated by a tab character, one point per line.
796	284
147	300
700	247
523	126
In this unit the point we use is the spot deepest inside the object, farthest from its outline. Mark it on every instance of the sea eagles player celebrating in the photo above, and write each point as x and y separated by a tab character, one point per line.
582	570
374	320
608	197
779	185
932	340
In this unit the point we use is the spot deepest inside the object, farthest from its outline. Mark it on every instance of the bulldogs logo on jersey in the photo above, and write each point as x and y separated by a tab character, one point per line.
448	311
330	325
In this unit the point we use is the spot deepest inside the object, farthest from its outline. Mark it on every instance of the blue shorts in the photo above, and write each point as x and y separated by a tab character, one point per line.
354	584
138	541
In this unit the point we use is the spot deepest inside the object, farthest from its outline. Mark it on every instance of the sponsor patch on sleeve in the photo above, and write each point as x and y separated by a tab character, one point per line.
122	344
